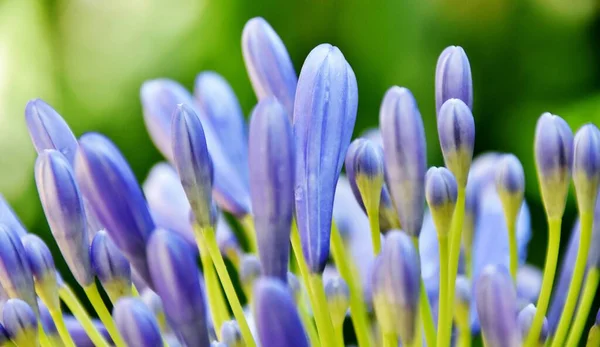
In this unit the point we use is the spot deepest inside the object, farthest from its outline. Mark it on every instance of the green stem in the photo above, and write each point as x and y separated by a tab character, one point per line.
390	340
248	226
463	325
94	296
42	337
587	299
585	239
554	225
338	331
321	314
373	214
346	268
425	308
594	337
236	307
68	297
469	264
512	244
309	326
455	241
444	330
57	317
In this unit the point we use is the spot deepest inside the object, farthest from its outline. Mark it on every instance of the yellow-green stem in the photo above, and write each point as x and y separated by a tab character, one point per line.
321	314
390	340
512	244
373	214
593	337
44	342
59	322
456	228
444	330
425	308
469	263
248	226
96	300
309	326
347	270
463	325
236	307
338	331
586	221
585	303
68	297
554	225
217	306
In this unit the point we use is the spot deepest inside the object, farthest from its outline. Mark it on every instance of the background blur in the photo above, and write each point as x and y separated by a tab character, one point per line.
88	59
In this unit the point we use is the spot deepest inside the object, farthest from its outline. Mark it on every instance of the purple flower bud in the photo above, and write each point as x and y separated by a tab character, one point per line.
272	184
231	335
586	166
453	77
338	299
456	130
175	277
364	158
9	218
78	333
109	184
405	153
154	303
136	323
395	282
111	266
42	268
554	158
441	193
324	116
510	177
268	63
497	307
525	320
48	130
20	322
222	109
63	206
277	319
15	274
250	270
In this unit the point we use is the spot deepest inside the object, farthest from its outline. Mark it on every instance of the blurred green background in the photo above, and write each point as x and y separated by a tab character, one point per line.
88	59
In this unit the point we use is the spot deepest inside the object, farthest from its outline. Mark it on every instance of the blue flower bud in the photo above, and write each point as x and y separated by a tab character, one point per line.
136	323
497	307
554	158
250	270
405	154
277	320
154	303
272	184
63	206
20	322
268	63
525	320
109	184
510	184
338	299
586	166
48	130
175	276
9	218
231	335
324	116
15	274
395	286
111	266
441	193
456	130
453	77
42	268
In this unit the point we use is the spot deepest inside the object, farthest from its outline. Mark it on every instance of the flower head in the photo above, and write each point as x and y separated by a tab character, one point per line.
20	322
453	77
586	166
441	193
136	323
338	299
42	268
111	266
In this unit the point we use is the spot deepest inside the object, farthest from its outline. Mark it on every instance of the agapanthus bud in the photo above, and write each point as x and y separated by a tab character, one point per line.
109	184
268	63
496	305
42	268
277	320
272	168
456	130
48	130
175	277
338	299
20	322
63	206
453	77
525	320
193	163
554	159
154	303
136	323
324	116
231	335
48	325
441	193
405	154
510	183
111	266
395	286
15	274
9	218
586	166
250	271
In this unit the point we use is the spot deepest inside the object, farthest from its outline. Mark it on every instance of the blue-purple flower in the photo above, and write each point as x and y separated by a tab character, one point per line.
110	266
20	322
453	77
136	323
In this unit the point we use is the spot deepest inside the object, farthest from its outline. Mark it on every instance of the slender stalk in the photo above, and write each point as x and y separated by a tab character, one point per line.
456	228
425	309
236	307
587	299
309	326
66	295
94	296
593	337
42	337
390	340
512	244
587	220
217	306
347	270
444	330
469	263
338	331
373	214
248	226
554	225
57	317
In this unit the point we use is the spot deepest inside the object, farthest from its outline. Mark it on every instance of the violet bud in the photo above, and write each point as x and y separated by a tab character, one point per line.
20	322
111	266
453	77
441	192
525	320
42	268
510	184
586	166
136	323
9	218
338	299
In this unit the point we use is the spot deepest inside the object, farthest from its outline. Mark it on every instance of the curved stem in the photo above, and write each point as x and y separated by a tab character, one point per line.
512	244
373	214
554	225
587	299
308	324
586	219
390	340
59	322
425	308
455	241
96	300
443	337
66	295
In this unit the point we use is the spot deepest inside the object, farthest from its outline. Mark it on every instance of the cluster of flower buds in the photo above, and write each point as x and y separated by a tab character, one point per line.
293	252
